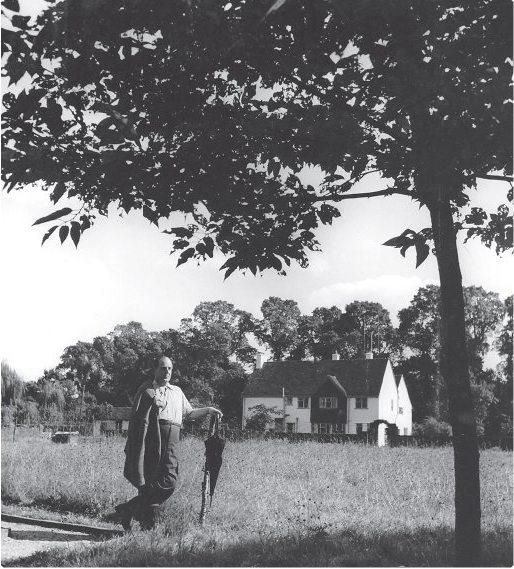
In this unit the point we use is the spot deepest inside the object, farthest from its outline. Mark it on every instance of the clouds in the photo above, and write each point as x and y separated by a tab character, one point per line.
392	291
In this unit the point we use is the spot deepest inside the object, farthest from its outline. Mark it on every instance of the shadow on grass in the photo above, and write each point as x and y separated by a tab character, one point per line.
47	535
350	548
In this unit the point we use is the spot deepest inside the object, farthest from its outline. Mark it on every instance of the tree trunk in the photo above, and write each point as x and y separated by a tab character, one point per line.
455	372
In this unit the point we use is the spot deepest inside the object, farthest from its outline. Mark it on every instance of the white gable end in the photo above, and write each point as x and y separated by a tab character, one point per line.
388	397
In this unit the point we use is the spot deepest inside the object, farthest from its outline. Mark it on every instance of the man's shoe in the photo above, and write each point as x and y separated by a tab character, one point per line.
125	514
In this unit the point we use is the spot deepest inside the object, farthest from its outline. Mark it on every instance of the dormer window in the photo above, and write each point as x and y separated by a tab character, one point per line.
328	402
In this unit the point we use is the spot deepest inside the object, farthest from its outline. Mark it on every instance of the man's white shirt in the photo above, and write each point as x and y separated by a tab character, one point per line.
172	403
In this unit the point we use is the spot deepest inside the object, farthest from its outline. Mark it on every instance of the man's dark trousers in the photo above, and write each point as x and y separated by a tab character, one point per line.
161	485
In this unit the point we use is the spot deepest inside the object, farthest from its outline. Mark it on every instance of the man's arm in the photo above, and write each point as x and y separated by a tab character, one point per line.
203	412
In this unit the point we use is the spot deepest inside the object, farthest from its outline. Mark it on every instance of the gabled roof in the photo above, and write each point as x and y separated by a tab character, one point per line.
333	380
360	378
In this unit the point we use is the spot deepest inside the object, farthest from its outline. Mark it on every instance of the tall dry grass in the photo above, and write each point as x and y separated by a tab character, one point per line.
276	504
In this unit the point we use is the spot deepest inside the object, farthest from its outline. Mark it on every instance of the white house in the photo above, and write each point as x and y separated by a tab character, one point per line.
404	419
331	396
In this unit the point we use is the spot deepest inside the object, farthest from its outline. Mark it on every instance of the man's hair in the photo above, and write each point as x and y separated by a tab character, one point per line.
164	358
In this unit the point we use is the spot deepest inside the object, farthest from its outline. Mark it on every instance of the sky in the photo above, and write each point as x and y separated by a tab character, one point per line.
54	295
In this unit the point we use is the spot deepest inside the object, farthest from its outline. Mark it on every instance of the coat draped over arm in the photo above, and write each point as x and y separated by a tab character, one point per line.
143	447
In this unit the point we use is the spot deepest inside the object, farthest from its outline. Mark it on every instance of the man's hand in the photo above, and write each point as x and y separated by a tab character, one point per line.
214	411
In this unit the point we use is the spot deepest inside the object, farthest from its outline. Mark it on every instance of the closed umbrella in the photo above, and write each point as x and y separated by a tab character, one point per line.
214	446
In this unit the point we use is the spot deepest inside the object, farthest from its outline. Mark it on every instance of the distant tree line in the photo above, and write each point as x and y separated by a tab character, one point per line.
214	350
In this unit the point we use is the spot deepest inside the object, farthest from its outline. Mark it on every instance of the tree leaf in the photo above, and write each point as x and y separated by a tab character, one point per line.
48	233
422	251
55	215
13	5
394	242
185	256
229	271
20	21
209	246
75	232
58	192
63	233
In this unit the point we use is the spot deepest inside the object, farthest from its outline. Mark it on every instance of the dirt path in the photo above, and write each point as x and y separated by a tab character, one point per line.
22	540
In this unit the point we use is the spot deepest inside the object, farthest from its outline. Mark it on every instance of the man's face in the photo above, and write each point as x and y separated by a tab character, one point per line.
164	369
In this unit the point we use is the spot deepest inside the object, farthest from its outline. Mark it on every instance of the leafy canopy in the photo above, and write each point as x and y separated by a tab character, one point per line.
213	110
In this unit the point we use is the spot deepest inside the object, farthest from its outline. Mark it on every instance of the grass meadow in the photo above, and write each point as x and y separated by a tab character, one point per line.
276	504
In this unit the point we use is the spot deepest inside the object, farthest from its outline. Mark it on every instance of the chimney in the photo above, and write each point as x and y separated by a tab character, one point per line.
336	356
259	361
369	355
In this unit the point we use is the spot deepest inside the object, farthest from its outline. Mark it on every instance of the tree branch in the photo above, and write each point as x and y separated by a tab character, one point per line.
386	192
494	177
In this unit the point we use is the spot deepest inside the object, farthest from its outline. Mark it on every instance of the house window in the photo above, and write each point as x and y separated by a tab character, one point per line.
303	402
338	428
392	404
290	427
361	403
400	410
358	428
328	402
289	400
322	428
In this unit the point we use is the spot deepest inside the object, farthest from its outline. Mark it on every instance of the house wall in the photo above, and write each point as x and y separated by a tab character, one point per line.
388	397
321	415
300	417
363	416
404	421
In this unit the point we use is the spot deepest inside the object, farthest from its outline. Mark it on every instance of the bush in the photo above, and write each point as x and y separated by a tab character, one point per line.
432	428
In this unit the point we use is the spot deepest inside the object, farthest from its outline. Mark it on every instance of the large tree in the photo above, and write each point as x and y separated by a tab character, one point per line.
278	329
159	107
222	330
373	323
419	343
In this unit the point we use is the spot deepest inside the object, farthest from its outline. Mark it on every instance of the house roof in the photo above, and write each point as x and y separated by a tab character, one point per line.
333	380
359	378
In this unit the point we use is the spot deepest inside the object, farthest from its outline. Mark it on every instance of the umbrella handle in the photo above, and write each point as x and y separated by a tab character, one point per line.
212	424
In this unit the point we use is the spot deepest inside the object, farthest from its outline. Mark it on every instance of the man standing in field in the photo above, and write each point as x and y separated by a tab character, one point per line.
151	463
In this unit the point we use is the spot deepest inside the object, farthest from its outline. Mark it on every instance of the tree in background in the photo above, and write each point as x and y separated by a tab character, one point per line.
420	93
500	420
373	323
261	417
363	325
418	342
278	328
221	329
483	315
13	387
